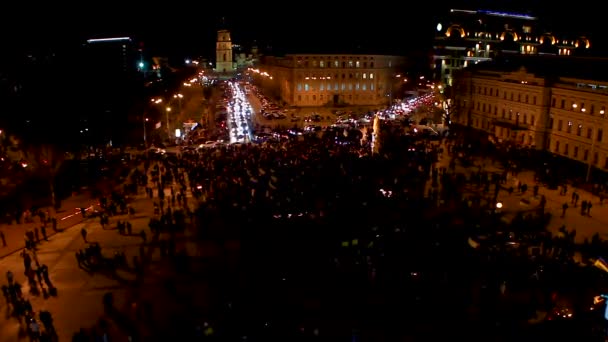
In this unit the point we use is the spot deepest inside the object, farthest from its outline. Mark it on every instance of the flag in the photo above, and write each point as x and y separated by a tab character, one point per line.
601	264
157	126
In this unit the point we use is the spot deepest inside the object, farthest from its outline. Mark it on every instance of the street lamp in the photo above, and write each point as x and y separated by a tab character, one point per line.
145	119
179	97
591	159
167	114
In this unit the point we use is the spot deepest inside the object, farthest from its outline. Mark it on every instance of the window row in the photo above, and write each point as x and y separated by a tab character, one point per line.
577	152
509	116
335	64
578	107
336	76
336	86
526	98
579	130
329	97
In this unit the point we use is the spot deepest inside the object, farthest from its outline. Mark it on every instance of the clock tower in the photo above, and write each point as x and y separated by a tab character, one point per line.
223	52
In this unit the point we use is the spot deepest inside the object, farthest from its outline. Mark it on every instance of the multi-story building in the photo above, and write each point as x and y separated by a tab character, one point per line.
319	79
557	104
466	37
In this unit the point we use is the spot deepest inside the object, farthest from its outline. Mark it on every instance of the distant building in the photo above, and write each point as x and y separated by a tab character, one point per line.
329	79
115	58
114	73
551	103
466	37
223	52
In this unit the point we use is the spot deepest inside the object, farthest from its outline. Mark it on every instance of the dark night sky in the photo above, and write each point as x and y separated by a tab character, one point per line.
181	28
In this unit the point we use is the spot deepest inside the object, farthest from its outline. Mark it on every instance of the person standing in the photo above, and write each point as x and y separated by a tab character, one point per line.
83	232
564	207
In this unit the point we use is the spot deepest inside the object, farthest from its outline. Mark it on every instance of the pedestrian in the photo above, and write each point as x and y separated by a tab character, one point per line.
44	269
3	238
143	236
43	231
583	208
83	232
564	207
589	205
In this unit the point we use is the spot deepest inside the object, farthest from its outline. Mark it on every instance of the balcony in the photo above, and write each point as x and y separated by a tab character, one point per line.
516	126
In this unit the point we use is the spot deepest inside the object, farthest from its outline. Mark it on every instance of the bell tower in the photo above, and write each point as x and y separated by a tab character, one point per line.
223	52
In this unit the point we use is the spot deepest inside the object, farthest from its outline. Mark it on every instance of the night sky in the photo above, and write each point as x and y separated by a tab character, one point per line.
184	28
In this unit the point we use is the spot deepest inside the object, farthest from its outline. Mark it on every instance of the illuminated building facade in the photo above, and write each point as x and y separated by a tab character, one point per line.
308	80
467	37
223	52
555	104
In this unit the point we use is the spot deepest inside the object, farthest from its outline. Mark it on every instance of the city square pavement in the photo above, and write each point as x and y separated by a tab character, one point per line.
67	216
78	301
79	292
586	226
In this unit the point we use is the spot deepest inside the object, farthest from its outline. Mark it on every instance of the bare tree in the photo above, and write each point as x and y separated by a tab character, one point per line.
46	160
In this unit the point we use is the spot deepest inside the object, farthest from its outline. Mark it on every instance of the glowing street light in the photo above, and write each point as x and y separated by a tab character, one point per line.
144	122
179	98
167	114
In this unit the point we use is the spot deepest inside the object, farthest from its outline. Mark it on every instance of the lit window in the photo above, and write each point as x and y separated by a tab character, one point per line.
364	75
322	64
350	64
364	87
357	86
306	87
371	76
371	87
328	86
336	63
299	86
343	86
321	87
357	64
336	86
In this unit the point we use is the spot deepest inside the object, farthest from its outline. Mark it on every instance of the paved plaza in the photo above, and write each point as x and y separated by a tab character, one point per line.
586	226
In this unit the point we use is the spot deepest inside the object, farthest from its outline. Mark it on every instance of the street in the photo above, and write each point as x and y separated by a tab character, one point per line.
78	303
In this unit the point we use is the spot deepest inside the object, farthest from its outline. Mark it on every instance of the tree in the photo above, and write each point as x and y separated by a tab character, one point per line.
46	160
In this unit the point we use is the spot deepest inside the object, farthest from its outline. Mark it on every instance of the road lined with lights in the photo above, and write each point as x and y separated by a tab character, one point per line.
239	115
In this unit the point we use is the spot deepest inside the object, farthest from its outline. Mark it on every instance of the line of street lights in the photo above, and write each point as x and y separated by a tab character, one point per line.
168	109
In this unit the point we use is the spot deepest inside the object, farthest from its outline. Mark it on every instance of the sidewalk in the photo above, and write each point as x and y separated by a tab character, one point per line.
67	216
586	226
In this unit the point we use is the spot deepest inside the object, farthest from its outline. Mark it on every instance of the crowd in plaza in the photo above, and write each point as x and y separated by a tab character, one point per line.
339	241
334	221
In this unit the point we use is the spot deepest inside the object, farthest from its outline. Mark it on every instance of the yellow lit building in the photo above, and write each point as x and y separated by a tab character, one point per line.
467	37
320	80
556	104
